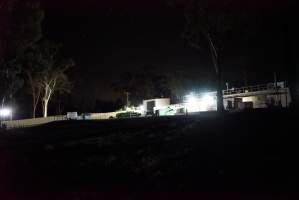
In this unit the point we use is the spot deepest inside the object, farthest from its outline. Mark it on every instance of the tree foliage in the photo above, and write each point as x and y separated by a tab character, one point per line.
144	84
51	76
36	59
22	32
181	83
26	31
149	83
10	68
10	79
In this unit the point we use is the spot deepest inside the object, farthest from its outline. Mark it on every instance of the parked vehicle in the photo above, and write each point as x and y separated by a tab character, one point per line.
85	116
72	115
128	115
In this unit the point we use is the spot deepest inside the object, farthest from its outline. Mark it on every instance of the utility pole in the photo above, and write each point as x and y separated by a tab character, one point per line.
3	99
275	79
244	72
226	86
277	99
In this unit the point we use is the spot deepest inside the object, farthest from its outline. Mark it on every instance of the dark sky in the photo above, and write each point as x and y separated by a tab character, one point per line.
106	38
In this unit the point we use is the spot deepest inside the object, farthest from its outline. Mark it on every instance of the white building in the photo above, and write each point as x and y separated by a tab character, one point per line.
150	106
258	96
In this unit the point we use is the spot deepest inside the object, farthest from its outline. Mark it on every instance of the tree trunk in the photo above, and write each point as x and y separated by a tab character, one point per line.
45	108
59	107
35	100
35	94
46	98
32	94
33	110
218	70
220	106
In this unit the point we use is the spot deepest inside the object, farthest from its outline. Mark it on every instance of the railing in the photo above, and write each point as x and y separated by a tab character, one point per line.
256	88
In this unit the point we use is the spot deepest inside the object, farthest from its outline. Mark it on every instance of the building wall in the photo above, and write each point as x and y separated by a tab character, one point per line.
258	101
158	103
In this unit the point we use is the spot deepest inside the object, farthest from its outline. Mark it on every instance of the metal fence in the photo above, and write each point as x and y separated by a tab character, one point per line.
23	123
255	88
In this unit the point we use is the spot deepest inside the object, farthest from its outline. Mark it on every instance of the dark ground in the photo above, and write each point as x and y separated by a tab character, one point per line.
251	155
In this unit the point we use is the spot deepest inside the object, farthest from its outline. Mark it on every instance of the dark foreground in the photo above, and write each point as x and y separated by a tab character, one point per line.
237	156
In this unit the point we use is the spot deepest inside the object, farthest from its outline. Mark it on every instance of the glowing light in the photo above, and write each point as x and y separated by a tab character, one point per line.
206	102
5	112
202	102
192	103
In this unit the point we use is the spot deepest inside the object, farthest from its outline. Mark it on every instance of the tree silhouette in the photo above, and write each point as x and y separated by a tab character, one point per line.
43	69
209	26
11	81
25	31
10	68
144	84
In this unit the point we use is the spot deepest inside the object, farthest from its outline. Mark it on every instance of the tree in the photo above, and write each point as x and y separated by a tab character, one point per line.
35	89
52	78
210	25
11	81
143	84
41	66
28	31
181	82
10	69
25	31
32	69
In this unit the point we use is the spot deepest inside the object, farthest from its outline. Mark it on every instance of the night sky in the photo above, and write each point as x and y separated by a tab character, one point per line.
106	38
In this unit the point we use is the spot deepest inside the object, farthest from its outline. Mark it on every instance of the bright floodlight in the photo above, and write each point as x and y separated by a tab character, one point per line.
192	103
206	102
5	112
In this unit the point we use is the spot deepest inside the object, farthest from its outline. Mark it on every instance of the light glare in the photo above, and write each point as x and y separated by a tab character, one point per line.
4	112
206	102
192	103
